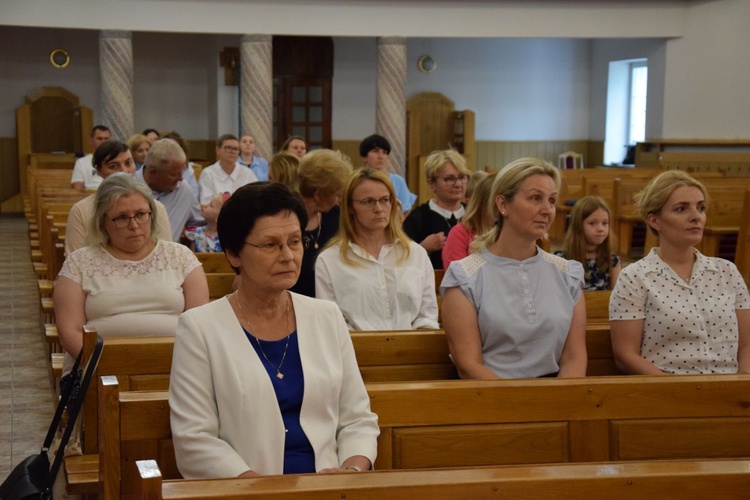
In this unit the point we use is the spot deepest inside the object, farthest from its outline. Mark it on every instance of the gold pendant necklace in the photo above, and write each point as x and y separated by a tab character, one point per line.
279	374
320	226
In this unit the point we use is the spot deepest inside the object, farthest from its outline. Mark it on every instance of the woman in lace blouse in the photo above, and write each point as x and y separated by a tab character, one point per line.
127	283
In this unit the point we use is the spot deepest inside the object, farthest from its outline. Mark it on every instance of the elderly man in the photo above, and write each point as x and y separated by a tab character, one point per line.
84	174
162	172
226	175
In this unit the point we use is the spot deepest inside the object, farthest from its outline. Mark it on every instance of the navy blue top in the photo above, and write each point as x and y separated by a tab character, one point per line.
299	457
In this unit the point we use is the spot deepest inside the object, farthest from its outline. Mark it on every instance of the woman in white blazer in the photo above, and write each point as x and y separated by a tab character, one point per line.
265	381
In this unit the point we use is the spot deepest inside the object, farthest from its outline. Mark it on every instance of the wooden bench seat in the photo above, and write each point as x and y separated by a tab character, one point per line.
724	479
427	425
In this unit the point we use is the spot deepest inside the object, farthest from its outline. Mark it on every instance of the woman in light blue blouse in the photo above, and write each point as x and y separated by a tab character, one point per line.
512	310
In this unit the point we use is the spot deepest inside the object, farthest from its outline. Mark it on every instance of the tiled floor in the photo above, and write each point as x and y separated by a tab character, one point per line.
26	396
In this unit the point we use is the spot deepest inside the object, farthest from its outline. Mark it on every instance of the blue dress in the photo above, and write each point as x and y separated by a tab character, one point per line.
299	457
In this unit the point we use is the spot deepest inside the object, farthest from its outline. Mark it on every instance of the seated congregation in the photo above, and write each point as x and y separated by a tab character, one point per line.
314	358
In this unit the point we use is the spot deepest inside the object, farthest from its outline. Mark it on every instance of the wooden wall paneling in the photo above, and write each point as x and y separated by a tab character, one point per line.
351	149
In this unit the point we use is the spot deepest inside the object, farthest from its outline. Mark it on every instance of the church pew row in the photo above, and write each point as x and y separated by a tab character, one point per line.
428	425
144	363
719	479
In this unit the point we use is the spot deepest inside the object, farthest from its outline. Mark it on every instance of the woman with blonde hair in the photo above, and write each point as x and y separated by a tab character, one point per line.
512	310
676	310
139	145
476	220
322	175
429	223
380	279
284	168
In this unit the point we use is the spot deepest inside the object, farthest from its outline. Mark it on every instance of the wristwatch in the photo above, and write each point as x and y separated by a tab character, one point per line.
354	468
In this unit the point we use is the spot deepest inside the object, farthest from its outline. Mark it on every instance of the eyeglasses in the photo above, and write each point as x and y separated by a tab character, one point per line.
369	203
230	149
123	221
452	179
276	248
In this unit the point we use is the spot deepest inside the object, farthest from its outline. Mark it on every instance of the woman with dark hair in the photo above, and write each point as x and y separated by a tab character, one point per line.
295	145
109	158
265	381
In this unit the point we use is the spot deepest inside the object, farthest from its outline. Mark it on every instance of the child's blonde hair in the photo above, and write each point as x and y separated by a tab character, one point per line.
575	240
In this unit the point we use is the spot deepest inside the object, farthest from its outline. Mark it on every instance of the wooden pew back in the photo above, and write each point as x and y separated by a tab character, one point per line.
637	480
474	423
214	262
477	423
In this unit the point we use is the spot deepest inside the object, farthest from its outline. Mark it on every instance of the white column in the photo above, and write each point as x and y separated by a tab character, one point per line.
116	66
390	99
256	64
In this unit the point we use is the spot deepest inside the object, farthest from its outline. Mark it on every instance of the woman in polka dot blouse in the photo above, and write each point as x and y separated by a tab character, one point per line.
676	310
512	310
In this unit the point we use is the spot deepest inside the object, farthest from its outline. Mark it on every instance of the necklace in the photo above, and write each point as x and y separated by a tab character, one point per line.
320	226
279	374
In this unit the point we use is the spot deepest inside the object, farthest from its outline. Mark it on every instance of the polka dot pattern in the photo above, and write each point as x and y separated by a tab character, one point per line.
688	327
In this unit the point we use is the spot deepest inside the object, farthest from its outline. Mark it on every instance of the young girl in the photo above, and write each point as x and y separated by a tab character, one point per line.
206	238
588	242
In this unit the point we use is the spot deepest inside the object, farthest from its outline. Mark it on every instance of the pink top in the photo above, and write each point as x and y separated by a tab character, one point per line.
457	244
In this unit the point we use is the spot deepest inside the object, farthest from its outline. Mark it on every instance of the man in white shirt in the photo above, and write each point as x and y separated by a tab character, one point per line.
84	174
226	175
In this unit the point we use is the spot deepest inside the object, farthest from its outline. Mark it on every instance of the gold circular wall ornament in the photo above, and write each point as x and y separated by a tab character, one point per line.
59	58
426	64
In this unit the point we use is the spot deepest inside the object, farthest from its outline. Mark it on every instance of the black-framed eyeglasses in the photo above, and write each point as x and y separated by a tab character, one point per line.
123	221
369	203
453	180
230	149
275	248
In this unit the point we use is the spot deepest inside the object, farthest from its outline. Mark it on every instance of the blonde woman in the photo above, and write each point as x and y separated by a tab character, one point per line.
380	279
429	223
322	175
676	310
284	168
512	310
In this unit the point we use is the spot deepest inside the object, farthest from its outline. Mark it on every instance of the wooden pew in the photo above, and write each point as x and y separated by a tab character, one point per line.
214	262
403	355
427	425
717	479
724	212
473	423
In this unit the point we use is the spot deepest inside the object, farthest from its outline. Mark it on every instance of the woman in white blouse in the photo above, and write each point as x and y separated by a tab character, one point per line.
380	279
126	282
676	310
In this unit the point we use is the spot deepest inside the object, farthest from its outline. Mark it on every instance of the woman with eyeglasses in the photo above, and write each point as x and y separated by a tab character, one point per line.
265	381
109	158
126	283
429	223
380	279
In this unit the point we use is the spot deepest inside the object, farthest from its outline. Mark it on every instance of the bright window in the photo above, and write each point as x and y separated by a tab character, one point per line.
638	90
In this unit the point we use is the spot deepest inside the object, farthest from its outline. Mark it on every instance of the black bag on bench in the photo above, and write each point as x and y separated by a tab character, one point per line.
33	478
